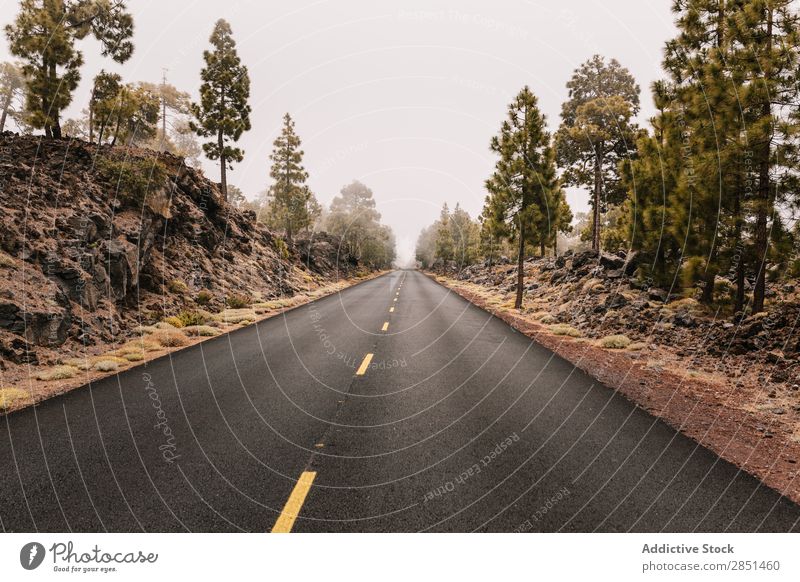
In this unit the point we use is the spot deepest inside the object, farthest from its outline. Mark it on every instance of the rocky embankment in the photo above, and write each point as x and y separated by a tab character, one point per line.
98	243
600	295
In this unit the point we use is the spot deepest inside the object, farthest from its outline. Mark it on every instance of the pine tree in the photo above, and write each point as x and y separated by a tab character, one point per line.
43	36
444	236
765	38
597	132
465	235
223	112
355	220
105	89
12	84
523	202
290	197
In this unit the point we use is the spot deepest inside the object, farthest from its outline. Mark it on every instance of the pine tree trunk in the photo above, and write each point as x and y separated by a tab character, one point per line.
738	304
762	206
707	297
53	113
116	132
520	266
91	121
6	107
222	166
596	210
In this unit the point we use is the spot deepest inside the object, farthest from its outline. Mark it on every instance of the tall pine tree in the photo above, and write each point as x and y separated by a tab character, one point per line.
523	200
765	38
291	200
223	112
43	36
597	132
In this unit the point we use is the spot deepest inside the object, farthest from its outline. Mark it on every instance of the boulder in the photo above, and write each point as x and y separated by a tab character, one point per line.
611	262
656	294
583	258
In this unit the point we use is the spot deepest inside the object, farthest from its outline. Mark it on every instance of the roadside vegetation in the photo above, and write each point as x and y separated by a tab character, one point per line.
705	196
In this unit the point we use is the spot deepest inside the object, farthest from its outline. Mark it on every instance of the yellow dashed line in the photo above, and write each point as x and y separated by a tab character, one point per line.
295	503
395	298
391	310
385	326
364	365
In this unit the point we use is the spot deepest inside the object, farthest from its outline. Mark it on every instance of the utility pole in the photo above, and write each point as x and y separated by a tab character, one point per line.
163	109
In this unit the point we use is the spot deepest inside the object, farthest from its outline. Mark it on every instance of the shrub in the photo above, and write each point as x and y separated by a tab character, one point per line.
201	330
109	358
281	248
57	373
177	286
106	366
134	356
10	397
548	319
615	342
170	339
188	318
563	329
174	321
138	345
133	179
6	261
238	301
229	316
204	297
80	363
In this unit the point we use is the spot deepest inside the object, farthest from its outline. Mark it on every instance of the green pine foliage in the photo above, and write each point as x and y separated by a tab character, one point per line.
525	198
44	36
223	113
355	221
597	133
713	184
292	205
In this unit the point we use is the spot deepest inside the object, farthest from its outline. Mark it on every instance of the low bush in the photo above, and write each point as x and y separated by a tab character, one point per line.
134	179
615	342
563	329
201	331
203	297
62	372
170	339
238	301
106	366
188	318
281	248
177	286
10	397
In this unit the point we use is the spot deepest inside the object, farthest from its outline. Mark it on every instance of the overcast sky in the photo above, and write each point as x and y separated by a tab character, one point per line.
404	99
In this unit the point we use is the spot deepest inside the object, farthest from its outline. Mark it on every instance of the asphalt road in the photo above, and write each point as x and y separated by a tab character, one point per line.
459	423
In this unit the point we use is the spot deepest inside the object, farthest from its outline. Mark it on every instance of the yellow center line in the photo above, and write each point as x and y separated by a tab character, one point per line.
395	298
295	503
391	310
362	369
385	326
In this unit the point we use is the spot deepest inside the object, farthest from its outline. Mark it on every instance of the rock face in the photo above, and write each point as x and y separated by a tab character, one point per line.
80	264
